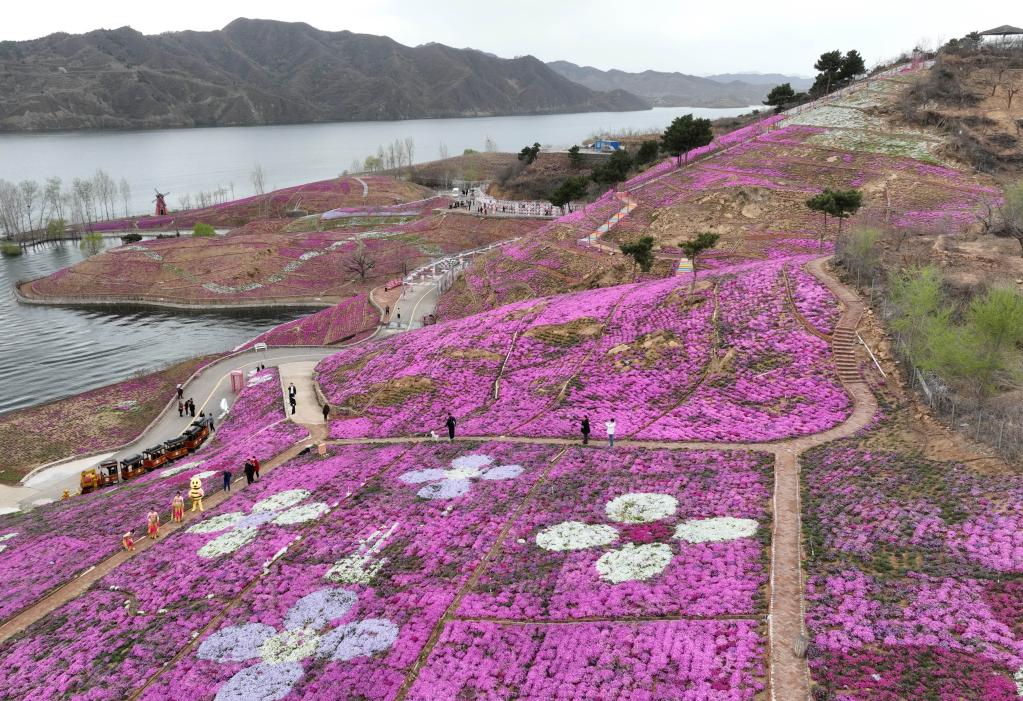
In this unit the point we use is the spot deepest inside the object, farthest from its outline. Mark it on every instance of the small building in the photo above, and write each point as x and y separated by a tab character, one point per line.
606	145
1004	34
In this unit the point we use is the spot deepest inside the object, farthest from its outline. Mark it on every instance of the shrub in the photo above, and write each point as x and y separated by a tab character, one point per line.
204	230
10	249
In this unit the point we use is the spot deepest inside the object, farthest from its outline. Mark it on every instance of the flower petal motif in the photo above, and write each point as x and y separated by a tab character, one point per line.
255	520
227	543
235	643
446	489
316	610
178	469
420	476
289	646
301	513
6	536
573	535
280	501
261	682
633	562
205	474
472	462
358	640
462	473
705	530
503	472
641	507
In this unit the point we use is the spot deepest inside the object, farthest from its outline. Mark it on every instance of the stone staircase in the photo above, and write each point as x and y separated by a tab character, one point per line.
843	346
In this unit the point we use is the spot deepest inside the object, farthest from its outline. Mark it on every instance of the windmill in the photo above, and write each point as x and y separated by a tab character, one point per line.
161	202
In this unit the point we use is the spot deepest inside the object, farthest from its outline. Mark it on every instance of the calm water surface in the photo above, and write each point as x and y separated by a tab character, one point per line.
183	161
51	352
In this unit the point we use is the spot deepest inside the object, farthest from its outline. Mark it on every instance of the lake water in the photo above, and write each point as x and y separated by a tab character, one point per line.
182	161
51	352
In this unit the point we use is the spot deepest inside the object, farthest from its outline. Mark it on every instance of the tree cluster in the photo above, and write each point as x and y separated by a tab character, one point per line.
528	154
29	205
840	204
684	134
836	70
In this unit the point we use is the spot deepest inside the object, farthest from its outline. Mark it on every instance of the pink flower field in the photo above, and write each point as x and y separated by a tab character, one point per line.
55	542
332	574
916	583
647	354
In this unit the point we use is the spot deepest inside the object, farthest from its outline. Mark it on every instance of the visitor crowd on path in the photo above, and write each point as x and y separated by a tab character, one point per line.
476	200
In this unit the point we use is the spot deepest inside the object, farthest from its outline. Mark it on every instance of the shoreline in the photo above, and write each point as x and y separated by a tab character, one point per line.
198	306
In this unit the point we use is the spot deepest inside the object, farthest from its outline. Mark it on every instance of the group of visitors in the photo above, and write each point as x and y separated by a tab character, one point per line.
476	200
610	426
186	408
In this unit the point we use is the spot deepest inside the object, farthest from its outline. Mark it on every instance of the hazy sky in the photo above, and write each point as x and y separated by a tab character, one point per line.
670	35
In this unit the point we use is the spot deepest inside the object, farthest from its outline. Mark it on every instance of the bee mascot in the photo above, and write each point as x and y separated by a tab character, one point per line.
196	493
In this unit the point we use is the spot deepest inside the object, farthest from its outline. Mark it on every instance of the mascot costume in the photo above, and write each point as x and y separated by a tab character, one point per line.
196	493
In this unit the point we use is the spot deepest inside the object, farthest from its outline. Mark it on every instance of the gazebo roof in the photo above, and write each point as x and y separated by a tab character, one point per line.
1004	30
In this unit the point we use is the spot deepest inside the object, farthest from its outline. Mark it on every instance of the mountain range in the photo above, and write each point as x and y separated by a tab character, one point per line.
664	89
268	72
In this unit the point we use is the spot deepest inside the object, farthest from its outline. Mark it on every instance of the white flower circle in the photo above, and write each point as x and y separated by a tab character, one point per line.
205	474
217	523
705	530
227	543
301	514
289	646
573	535
641	507
281	500
633	562
178	469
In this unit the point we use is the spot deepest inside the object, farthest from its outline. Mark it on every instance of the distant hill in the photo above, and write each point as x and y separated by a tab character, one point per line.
267	72
768	79
673	89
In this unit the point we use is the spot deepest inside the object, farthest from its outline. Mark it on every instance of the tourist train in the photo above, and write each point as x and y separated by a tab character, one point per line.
106	473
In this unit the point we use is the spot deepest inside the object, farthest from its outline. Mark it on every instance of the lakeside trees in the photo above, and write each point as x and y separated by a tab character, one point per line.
684	134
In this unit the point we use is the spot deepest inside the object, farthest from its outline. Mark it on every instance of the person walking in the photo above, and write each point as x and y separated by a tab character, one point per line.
610	425
181	408
293	403
178	508
250	470
152	524
326	412
227	479
128	541
255	466
450	423
586	430
181	392
292	391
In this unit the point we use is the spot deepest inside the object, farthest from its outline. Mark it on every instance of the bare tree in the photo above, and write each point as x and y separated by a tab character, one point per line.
359	262
55	196
29	198
442	151
11	210
184	201
258	179
1011	89
410	150
125	190
106	193
489	145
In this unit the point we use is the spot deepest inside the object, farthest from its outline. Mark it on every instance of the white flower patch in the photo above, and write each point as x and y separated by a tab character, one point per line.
259	380
573	535
364	564
631	562
206	474
3	538
307	632
1018	678
709	530
641	507
281	509
178	469
456	481
634	563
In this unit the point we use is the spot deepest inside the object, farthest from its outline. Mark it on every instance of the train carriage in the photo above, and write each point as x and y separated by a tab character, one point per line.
154	457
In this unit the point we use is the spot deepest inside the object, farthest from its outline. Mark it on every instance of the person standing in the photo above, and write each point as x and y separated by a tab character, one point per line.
255	466
227	479
450	423
178	508
326	412
181	408
128	541
191	407
292	391
250	470
152	524
293	403
586	430
181	392
610	425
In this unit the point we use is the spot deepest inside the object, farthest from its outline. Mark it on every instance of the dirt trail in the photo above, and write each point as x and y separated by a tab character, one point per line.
788	676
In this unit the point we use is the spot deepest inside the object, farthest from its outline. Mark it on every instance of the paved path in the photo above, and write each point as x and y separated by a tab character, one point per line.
788	677
307	409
